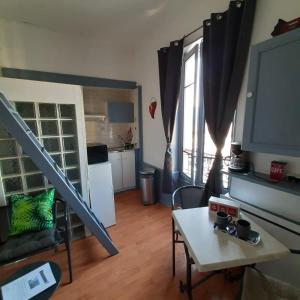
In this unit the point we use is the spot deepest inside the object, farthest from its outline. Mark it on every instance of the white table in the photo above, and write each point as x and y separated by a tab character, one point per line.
213	250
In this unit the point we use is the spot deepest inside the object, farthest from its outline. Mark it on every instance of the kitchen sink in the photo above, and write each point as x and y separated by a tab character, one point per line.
121	148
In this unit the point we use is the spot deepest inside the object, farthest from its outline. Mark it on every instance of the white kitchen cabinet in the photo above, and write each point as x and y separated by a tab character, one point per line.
128	169
101	193
123	169
116	167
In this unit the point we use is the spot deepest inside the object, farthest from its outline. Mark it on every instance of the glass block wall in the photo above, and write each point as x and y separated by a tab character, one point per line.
55	127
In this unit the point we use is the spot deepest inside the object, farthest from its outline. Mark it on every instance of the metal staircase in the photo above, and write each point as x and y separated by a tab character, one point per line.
14	124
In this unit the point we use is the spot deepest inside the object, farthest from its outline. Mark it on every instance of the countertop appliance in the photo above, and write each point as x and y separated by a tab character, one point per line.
97	153
237	161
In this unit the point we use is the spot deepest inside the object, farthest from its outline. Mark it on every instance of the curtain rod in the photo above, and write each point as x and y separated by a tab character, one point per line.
198	28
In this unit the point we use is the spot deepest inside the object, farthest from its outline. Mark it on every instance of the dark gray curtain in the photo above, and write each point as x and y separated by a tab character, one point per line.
226	40
169	62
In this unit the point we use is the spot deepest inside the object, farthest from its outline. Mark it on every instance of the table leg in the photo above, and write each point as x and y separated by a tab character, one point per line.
188	286
235	277
173	246
188	274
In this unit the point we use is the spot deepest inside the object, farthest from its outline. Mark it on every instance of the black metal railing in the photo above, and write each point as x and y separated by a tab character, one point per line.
208	160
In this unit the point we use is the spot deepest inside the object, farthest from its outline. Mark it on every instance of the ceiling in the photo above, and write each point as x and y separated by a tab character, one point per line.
92	18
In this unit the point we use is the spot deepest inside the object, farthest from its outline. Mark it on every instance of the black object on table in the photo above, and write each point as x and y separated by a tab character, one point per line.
46	294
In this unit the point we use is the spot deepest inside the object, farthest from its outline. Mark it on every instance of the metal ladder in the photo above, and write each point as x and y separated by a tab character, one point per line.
15	125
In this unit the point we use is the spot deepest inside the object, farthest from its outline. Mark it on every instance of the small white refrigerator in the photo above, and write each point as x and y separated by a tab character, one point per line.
102	193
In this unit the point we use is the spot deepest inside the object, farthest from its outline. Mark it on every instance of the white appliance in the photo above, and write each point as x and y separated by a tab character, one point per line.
102	193
278	213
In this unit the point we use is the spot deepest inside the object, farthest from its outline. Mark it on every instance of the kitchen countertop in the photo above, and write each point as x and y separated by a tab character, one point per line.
119	149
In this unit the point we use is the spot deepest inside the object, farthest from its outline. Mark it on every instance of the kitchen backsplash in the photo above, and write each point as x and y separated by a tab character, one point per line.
102	131
111	134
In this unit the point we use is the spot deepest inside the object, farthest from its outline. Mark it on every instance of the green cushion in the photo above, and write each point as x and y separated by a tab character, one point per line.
32	213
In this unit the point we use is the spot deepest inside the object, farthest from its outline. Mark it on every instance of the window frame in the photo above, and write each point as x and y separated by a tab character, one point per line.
195	50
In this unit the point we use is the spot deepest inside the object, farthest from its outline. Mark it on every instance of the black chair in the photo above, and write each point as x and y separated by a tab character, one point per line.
23	246
189	196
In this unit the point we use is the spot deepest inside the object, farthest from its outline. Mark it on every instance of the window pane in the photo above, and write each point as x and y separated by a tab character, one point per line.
25	109
4	134
189	75
68	127
10	166
49	127
57	159
187	163
34	181
188	129
8	148
73	174
29	165
32	125
71	159
12	184
52	144
67	111
47	110
78	187
70	144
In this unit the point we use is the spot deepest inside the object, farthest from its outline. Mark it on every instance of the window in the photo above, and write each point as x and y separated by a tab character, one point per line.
198	149
209	154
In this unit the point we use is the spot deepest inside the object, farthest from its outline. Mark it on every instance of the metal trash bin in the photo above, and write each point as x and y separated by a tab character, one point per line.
147	185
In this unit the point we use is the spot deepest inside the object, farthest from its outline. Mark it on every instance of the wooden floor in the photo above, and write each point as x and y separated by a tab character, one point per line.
142	269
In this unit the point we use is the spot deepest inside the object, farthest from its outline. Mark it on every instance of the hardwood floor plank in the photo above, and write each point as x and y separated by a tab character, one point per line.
142	270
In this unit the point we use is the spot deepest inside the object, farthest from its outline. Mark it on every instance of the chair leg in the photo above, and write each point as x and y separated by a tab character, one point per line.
68	248
188	274
173	246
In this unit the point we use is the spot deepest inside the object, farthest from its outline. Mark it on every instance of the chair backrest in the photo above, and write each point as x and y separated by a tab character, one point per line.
189	196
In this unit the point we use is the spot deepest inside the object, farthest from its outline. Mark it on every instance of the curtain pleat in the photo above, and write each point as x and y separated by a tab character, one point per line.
169	62
226	41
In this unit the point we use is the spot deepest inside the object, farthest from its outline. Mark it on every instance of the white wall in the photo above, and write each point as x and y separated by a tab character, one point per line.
26	46
103	131
267	14
29	47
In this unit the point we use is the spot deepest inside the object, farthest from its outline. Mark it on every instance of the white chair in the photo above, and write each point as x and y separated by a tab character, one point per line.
257	285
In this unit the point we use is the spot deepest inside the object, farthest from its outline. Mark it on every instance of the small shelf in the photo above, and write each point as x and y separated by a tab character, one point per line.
78	232
94	117
76	224
60	213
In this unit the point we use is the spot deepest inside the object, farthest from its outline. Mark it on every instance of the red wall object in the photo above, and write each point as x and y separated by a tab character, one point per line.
277	170
283	26
152	109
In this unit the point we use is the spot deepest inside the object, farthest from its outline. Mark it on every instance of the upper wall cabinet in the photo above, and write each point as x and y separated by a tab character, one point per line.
120	112
272	118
